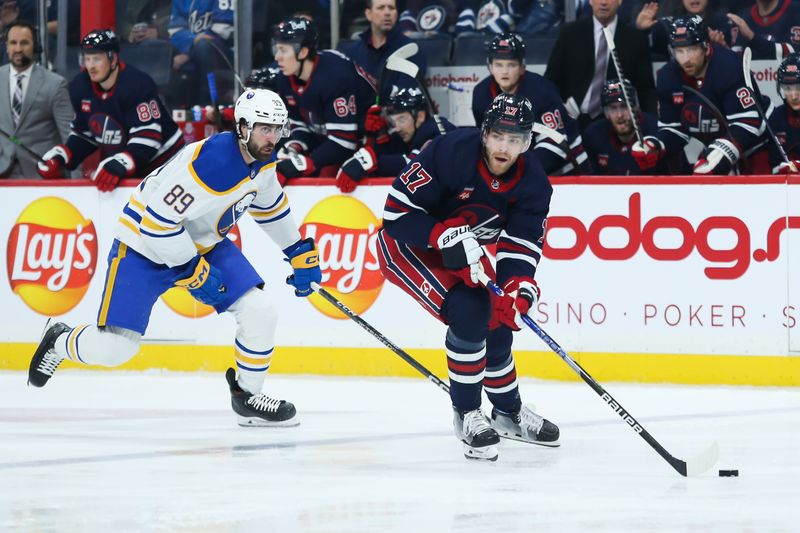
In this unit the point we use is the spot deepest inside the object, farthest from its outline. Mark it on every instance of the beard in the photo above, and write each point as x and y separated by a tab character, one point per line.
21	61
264	154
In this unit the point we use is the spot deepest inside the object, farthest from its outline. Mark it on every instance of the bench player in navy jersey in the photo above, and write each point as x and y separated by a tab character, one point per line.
608	141
327	95
172	232
387	154
785	120
506	63
716	72
469	188
117	111
771	28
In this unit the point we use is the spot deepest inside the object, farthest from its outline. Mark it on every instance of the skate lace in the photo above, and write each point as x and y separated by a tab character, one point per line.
531	419
475	422
263	402
49	363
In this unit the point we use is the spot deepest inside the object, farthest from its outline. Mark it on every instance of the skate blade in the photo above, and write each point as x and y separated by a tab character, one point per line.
250	422
487	453
520	438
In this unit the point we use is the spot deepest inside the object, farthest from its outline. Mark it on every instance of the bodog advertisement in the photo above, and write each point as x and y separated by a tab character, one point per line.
634	267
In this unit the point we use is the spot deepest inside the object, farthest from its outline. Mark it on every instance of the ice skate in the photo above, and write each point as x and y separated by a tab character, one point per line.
259	409
525	426
478	437
45	361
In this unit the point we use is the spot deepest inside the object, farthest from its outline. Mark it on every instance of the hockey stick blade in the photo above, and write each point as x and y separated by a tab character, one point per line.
404	52
403	65
703	462
550	133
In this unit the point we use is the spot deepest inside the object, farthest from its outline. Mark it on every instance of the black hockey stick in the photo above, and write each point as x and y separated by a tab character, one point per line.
378	335
748	79
634	117
212	92
404	52
403	65
693	467
14	139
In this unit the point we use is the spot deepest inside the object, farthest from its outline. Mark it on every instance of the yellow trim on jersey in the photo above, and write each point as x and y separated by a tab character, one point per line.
200	181
149	223
128	224
268	166
271	212
136	204
112	277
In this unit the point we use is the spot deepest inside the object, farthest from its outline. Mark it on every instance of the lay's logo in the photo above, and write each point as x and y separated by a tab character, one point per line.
51	256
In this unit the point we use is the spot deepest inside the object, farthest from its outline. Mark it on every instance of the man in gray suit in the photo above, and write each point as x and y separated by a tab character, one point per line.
34	105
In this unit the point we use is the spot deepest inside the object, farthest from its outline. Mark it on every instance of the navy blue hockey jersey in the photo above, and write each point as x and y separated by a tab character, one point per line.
608	156
778	33
326	113
130	117
683	115
395	154
549	110
786	125
450	179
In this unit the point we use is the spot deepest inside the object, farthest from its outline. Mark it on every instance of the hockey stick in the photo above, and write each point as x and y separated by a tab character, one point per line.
404	52
377	334
613	49
723	122
212	92
693	467
559	138
748	79
404	66
14	139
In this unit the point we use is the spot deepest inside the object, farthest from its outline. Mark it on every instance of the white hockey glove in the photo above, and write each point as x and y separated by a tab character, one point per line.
55	159
459	246
719	158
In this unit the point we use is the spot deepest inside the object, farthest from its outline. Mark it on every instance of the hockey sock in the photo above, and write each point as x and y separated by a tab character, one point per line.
466	362
252	364
500	381
89	345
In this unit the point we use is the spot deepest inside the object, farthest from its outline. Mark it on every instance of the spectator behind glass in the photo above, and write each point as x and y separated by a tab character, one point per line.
721	30
428	17
202	33
769	28
34	104
377	43
144	20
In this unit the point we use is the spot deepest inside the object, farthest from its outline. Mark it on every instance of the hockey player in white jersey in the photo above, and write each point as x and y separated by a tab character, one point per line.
172	233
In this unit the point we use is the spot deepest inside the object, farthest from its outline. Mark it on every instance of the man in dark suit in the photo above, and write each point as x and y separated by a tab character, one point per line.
579	71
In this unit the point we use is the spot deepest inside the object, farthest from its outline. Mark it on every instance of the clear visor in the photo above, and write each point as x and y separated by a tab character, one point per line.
399	120
616	108
294	46
279	130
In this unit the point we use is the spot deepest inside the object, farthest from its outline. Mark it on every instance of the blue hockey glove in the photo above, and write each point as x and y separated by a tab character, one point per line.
304	258
204	283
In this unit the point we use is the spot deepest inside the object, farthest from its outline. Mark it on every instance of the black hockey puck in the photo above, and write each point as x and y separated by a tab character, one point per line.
728	473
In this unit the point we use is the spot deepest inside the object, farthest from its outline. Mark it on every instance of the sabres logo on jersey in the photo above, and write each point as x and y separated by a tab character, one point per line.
233	213
106	130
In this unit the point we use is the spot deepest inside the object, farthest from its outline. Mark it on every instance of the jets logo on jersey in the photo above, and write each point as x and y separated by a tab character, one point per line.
106	130
692	119
484	221
431	18
233	213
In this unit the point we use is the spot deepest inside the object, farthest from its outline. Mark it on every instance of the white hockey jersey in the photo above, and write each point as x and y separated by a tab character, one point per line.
188	205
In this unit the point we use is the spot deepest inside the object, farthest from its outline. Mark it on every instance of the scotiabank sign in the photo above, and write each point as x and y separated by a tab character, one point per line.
724	263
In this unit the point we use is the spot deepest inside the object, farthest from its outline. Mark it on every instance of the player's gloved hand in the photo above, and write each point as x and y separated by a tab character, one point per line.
459	246
374	121
55	161
717	158
304	258
520	295
295	166
352	170
285	151
112	169
203	281
792	167
648	152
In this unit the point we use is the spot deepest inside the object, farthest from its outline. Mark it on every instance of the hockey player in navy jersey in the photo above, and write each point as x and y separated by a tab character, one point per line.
117	111
172	233
771	28
327	95
608	141
785	120
411	129
506	62
732	134
469	188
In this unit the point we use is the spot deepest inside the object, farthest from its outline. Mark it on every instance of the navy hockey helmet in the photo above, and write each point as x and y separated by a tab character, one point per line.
789	71
612	92
687	31
299	32
100	41
507	46
407	99
510	113
262	78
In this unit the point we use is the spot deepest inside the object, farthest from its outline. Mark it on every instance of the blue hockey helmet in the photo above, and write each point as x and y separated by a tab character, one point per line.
688	30
104	40
507	46
299	32
612	92
407	99
789	71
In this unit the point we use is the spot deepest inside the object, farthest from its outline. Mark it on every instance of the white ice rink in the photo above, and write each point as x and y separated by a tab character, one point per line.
118	452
